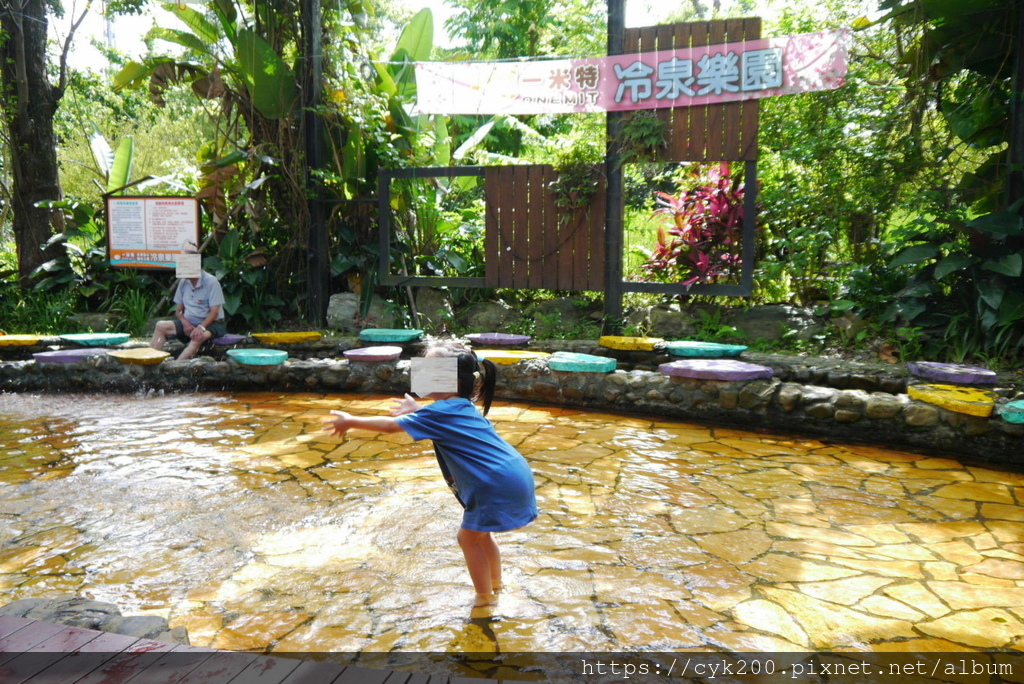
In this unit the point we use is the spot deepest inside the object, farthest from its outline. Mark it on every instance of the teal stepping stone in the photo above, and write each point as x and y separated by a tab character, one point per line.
581	363
1013	412
390	334
704	349
258	357
97	339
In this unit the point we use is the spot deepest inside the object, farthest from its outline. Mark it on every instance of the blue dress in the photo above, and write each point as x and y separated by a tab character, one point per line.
491	480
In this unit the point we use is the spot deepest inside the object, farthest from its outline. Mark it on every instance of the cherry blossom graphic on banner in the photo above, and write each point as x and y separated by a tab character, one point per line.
703	75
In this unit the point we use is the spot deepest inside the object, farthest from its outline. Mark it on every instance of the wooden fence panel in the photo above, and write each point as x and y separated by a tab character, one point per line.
530	244
709	132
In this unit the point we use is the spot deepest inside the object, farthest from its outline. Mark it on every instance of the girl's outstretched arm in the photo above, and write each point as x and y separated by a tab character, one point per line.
343	422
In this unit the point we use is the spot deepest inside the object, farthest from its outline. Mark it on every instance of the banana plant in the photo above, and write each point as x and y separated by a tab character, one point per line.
114	167
238	65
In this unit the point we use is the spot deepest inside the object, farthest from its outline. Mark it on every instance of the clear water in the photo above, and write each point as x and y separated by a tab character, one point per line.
235	516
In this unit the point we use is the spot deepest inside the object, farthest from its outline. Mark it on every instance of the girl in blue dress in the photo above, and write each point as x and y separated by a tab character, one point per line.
491	480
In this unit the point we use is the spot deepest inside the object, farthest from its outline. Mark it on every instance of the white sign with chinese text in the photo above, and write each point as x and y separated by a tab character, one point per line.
704	75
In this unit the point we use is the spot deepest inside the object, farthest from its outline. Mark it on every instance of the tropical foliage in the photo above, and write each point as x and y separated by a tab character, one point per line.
891	203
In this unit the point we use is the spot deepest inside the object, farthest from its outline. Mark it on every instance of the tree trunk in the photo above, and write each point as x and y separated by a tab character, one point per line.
29	104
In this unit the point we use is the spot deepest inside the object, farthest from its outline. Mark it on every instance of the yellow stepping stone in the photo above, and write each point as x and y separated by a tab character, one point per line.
506	357
630	343
287	337
143	356
969	400
18	340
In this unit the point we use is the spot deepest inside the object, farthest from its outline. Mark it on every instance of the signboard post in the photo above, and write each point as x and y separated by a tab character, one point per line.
149	232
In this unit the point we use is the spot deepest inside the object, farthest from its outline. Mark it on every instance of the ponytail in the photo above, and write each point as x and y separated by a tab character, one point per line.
488	382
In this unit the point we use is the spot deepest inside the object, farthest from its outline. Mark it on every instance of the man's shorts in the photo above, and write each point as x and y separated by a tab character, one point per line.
216	329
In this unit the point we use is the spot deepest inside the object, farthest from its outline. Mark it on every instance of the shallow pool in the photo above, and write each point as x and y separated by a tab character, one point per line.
235	516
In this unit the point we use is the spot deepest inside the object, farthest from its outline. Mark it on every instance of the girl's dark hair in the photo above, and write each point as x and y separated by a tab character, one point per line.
468	367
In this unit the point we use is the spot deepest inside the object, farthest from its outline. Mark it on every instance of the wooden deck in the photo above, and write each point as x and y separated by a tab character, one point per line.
34	652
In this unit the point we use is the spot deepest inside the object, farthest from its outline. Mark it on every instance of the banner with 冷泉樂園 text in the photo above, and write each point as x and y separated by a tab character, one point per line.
686	77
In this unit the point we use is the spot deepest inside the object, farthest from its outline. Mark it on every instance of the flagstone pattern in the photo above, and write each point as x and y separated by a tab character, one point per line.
235	517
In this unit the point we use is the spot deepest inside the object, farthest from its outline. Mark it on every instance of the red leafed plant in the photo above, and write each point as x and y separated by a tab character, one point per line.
700	242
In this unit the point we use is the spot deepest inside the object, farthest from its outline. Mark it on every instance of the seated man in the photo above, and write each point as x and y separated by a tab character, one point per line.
199	317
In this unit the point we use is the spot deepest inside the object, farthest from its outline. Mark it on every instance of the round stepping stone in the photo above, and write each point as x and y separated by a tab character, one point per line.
287	337
97	339
952	373
390	334
704	349
581	363
506	357
630	343
373	354
142	356
225	340
1013	412
499	339
715	369
258	357
67	355
968	400
18	340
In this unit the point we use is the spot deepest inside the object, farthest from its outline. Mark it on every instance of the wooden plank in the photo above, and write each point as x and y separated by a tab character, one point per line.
715	113
87	658
679	144
222	666
21	640
314	672
549	279
697	148
267	670
733	111
172	666
751	108
10	624
360	675
666	40
492	229
535	214
520	220
127	664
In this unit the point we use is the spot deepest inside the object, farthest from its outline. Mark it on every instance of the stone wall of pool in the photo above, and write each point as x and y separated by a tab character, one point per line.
823	398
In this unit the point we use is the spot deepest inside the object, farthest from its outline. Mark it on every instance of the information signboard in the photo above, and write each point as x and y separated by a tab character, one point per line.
148	232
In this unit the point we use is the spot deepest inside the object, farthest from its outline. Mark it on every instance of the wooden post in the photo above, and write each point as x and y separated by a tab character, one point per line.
614	199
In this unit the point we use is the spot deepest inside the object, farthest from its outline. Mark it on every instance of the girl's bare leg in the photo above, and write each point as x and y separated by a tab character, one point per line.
483	560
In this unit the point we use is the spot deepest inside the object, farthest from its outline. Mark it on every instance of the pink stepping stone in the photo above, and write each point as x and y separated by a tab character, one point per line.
382	353
715	369
496	338
952	373
67	355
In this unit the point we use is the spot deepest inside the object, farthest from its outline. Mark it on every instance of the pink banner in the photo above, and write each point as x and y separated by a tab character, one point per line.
650	80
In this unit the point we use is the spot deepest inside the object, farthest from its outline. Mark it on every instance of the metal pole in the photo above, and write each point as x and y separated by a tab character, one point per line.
317	255
614	207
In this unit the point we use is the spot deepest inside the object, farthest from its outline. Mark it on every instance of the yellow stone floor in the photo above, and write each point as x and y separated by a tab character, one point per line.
235	516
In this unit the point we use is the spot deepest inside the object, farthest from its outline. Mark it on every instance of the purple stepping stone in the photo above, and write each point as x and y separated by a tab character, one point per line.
490	338
67	355
715	369
952	373
229	339
383	353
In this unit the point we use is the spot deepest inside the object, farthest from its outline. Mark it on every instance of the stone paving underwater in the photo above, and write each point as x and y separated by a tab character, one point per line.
235	516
